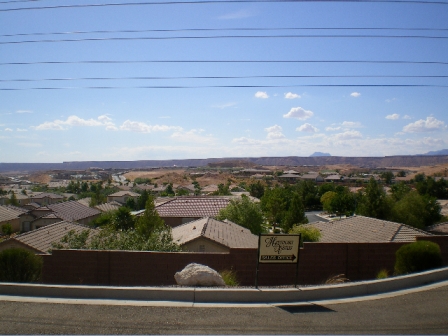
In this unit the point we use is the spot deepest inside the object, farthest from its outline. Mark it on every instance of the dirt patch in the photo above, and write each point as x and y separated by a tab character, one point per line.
39	178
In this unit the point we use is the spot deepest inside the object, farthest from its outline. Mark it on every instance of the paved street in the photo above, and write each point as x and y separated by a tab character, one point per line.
418	313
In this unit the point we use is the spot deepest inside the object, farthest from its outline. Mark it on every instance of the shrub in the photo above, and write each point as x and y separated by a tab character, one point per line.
336	279
308	233
418	256
229	277
383	274
19	265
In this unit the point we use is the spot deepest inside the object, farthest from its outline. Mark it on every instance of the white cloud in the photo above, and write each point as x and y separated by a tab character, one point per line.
390	100
298	113
331	129
24	111
226	105
348	135
22	130
407	117
355	94
394	116
431	124
307	128
50	125
194	135
73	120
291	95
274	132
8	130
30	144
351	124
141	127
261	95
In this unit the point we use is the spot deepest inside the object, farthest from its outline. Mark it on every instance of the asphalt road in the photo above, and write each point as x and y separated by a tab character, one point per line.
424	312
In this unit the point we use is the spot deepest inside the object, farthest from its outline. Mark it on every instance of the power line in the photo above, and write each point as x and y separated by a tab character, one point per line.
97	39
222	86
420	2
223	61
213	77
217	29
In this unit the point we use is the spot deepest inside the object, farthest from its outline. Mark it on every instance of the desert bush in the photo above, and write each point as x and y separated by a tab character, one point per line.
19	265
418	256
336	279
229	277
308	233
382	274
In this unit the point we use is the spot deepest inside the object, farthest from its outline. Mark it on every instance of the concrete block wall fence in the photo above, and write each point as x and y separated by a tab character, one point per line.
317	262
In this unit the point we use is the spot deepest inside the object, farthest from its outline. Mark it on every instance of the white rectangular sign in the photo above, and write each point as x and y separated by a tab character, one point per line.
278	248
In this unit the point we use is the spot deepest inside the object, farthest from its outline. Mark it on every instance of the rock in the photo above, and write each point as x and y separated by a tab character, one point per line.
198	275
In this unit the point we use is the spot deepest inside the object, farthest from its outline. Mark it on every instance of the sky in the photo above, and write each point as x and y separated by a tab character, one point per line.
345	78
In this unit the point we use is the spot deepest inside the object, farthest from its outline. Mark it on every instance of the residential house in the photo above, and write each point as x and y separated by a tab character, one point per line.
312	176
438	229
107	207
9	216
360	229
210	235
334	178
74	211
181	210
40	241
46	198
291	178
122	196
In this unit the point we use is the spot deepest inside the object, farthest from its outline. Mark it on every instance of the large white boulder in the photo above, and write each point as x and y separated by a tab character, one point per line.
198	275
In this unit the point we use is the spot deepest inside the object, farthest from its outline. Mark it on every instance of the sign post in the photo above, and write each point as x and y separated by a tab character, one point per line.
278	249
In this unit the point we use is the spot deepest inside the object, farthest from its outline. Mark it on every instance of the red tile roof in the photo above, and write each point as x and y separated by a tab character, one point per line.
192	207
73	210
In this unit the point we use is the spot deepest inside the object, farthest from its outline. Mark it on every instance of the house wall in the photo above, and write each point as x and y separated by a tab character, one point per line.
208	245
317	262
43	222
15	224
11	243
176	221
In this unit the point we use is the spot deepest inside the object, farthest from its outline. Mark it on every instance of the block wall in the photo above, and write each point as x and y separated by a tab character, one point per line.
317	262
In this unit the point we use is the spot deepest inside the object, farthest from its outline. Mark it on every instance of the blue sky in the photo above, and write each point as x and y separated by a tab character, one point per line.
273	117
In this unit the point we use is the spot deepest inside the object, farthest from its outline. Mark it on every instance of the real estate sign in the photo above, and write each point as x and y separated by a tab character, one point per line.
278	248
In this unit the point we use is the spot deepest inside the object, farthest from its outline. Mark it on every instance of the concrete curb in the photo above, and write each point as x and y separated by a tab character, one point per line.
228	295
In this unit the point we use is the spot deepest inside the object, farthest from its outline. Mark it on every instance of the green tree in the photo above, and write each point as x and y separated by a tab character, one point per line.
7	229
373	202
399	190
326	200
273	203
308	233
19	265
142	199
387	177
294	214
416	210
244	212
122	219
150	221
256	189
13	200
197	188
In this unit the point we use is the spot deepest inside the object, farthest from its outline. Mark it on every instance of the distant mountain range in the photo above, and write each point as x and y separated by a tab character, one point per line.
439	152
320	154
367	162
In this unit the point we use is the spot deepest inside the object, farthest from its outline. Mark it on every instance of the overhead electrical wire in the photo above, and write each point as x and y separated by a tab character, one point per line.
128	31
98	39
197	2
222	86
212	77
223	61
